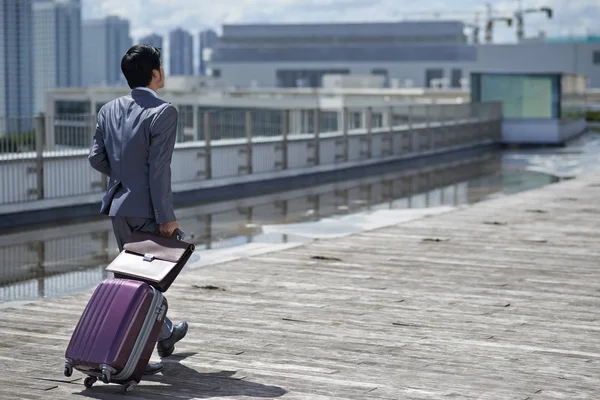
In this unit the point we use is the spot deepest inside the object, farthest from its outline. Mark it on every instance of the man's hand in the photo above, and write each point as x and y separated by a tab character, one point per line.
168	228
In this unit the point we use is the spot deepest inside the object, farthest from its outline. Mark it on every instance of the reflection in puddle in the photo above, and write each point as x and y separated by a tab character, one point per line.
48	262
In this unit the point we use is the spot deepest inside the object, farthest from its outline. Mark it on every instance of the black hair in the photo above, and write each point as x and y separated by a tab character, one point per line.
138	63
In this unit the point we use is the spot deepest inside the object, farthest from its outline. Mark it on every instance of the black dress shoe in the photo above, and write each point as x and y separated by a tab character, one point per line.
154	368
167	346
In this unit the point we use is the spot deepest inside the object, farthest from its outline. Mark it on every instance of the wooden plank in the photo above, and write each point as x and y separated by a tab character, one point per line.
497	300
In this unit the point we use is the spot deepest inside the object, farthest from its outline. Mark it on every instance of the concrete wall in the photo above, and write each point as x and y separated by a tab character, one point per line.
540	131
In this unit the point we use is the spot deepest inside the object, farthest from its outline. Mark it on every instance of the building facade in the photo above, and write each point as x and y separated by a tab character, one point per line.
16	65
408	54
207	41
105	42
153	40
181	52
57	46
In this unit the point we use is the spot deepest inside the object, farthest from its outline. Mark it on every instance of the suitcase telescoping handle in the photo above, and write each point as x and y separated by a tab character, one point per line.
179	234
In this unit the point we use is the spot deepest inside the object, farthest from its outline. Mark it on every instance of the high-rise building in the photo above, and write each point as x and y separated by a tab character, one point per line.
208	39
57	46
105	42
181	53
16	60
153	40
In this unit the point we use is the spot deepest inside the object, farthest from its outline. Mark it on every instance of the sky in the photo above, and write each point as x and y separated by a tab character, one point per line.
571	17
160	16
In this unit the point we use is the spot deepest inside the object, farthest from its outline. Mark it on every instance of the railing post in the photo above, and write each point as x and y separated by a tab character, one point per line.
317	134
40	134
248	146
343	157
388	144
345	137
207	146
369	132
433	130
285	132
368	138
415	140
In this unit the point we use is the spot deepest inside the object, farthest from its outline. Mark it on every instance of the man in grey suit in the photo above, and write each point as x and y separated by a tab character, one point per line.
133	146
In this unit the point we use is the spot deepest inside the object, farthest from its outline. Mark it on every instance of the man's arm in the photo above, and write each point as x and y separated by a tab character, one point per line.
163	134
98	158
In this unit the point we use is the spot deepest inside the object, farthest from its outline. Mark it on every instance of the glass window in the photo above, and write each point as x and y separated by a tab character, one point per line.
521	96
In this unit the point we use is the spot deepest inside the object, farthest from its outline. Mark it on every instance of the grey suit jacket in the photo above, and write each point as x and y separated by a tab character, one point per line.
133	146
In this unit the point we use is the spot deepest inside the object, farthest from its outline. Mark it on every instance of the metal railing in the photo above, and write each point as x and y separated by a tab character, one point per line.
45	157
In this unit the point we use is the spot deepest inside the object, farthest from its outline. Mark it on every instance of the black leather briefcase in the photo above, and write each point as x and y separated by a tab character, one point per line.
152	258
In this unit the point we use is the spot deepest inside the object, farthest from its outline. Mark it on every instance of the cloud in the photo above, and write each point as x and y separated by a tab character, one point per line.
194	15
574	17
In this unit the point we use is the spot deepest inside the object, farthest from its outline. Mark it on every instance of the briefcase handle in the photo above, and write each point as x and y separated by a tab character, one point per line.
179	234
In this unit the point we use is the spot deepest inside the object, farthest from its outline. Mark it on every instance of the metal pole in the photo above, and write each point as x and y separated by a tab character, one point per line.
40	134
345	138
248	129
390	149
285	131
369	132
317	132
207	146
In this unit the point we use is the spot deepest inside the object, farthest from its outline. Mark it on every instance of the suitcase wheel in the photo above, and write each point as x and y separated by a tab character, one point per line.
107	372
128	387
89	381
68	368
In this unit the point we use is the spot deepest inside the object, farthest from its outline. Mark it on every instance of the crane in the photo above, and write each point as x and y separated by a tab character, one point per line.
474	32
489	28
519	15
474	29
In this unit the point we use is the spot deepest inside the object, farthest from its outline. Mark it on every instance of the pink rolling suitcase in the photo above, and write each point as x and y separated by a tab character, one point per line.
116	333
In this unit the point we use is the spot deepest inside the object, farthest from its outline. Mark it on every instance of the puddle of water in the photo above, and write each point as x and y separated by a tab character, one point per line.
49	262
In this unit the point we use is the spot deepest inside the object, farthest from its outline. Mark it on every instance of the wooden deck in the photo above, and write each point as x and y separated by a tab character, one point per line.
499	301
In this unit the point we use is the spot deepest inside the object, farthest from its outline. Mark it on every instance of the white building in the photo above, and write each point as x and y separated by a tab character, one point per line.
16	60
413	54
105	42
57	46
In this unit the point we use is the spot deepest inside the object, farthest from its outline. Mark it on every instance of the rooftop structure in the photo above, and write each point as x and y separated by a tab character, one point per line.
415	53
537	108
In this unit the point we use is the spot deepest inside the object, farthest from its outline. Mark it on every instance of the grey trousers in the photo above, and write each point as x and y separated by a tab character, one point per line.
123	227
